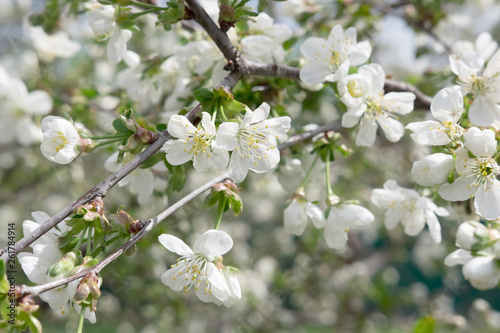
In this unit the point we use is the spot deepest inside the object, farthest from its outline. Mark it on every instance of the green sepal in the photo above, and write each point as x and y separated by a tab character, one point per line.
120	127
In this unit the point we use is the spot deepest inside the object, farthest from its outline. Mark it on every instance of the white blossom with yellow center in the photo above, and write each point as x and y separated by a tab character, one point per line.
194	143
447	107
60	140
329	59
201	268
408	207
364	97
477	174
253	142
482	83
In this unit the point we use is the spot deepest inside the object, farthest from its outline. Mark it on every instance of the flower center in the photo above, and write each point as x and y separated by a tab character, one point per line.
201	143
355	90
251	140
335	60
63	141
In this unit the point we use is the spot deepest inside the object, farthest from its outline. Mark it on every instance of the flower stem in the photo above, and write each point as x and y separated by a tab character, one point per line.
328	184
146	5
98	250
112	136
220	211
89	243
306	178
108	142
82	235
80	320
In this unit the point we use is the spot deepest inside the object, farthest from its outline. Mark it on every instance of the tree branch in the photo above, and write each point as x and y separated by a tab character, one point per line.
149	225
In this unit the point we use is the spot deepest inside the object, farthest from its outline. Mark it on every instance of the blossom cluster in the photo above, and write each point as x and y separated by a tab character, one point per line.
362	93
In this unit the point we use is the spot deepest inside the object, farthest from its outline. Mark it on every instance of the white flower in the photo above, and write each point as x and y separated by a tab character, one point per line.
46	253
479	250
265	41
51	46
330	59
482	85
201	268
142	180
362	93
432	169
340	219
476	177
447	107
60	140
253	142
298	212
17	107
194	143
482	272
470	233
484	47
408	207
102	21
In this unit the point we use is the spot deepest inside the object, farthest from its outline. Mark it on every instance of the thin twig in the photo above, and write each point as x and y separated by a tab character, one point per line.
149	225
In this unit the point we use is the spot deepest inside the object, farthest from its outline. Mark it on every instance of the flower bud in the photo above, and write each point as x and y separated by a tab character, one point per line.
82	292
144	136
64	266
27	304
432	169
480	142
472	234
86	145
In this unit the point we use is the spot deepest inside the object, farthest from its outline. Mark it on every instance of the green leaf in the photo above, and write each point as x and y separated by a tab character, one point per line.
425	325
204	95
120	127
161	127
178	179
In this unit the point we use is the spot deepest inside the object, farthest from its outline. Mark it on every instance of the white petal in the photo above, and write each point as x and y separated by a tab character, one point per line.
174	244
227	136
39	102
117	46
482	272
461	189
487	200
314	73
398	102
483	112
458	257
294	218
480	142
392	128
448	104
315	214
434	226
213	243
367	132
180	127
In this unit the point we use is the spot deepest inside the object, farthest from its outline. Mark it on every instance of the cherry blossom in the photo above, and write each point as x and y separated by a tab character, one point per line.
194	143
364	97
476	175
60	140
297	214
329	59
340	219
408	207
447	107
201	268
253	142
